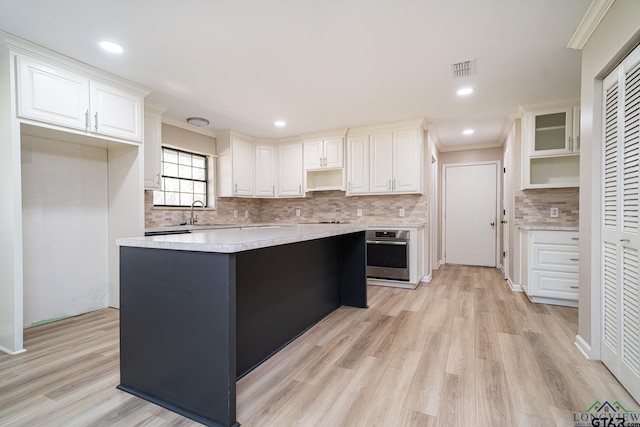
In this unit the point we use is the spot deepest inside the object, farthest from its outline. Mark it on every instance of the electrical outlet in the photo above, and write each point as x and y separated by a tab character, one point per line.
401	211
246	214
359	212
235	214
555	212
297	212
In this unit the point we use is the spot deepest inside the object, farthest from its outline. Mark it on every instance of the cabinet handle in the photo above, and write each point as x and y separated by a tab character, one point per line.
394	185
349	186
86	120
96	123
273	190
574	287
625	240
389	185
575	259
235	188
569	143
575	238
299	188
578	143
158	178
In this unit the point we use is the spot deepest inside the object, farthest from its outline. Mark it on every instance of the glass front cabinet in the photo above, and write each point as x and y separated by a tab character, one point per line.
554	132
551	158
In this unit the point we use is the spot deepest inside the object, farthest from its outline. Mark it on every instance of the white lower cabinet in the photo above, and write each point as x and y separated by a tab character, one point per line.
551	266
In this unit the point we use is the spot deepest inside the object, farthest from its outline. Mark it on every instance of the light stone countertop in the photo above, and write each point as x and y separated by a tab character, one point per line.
548	227
231	240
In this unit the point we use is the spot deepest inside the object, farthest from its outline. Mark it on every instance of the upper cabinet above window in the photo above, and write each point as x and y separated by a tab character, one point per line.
56	95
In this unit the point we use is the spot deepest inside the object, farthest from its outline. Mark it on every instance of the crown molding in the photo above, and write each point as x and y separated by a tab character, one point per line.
589	23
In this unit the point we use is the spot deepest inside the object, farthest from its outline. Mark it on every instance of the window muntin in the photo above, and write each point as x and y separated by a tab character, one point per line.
184	178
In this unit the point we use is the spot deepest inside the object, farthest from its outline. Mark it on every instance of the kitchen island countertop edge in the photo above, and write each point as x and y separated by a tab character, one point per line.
238	240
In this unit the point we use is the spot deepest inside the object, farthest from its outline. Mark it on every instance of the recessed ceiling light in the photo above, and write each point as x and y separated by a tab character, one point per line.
280	123
465	91
111	47
467	131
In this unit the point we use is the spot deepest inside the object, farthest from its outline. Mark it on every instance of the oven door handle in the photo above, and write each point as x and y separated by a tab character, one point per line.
387	242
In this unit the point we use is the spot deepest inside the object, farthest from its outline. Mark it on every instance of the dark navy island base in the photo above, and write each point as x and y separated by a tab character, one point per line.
192	323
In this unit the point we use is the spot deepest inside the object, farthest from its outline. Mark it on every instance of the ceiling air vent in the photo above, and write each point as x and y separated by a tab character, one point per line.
463	68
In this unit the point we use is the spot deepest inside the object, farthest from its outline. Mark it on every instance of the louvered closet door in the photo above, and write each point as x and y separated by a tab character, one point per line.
621	228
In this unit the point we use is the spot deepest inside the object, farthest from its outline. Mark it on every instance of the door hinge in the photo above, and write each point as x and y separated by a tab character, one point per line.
504	170
504	254
504	212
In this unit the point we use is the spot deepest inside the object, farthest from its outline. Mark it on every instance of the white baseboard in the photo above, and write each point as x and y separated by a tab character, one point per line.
438	264
6	350
514	287
426	279
585	348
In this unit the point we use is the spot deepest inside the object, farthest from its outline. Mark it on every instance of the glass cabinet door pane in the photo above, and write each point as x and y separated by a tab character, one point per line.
551	131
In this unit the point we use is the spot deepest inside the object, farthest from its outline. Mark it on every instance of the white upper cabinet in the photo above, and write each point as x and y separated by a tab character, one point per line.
152	147
386	159
407	154
324	153
358	165
265	171
290	170
55	95
381	149
551	137
52	94
235	165
554	131
115	112
243	167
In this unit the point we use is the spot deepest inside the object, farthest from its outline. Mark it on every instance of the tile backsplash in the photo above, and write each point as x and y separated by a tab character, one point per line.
532	207
319	206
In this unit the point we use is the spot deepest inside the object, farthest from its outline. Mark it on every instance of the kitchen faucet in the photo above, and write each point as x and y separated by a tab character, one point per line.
191	220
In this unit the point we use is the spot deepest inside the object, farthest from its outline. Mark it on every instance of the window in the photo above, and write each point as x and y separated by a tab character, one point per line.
184	179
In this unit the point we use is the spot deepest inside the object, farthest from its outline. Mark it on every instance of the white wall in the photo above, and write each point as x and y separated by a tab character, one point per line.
614	37
65	220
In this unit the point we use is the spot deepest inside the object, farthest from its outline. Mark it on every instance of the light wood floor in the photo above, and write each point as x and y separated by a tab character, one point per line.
460	351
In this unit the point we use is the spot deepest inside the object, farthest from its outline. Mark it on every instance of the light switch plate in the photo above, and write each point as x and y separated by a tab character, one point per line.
401	211
235	214
359	212
297	212
246	214
555	212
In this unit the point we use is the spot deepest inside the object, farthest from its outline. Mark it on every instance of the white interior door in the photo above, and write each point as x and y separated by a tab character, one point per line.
470	214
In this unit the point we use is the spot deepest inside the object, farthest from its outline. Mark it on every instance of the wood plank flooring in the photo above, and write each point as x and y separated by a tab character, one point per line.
462	350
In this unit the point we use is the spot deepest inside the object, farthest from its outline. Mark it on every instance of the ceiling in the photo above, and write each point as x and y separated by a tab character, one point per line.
324	65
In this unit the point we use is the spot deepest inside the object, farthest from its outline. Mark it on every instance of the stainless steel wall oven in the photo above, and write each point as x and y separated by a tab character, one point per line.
388	254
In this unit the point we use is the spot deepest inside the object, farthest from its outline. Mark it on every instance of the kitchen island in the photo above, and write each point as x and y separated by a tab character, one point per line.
200	310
